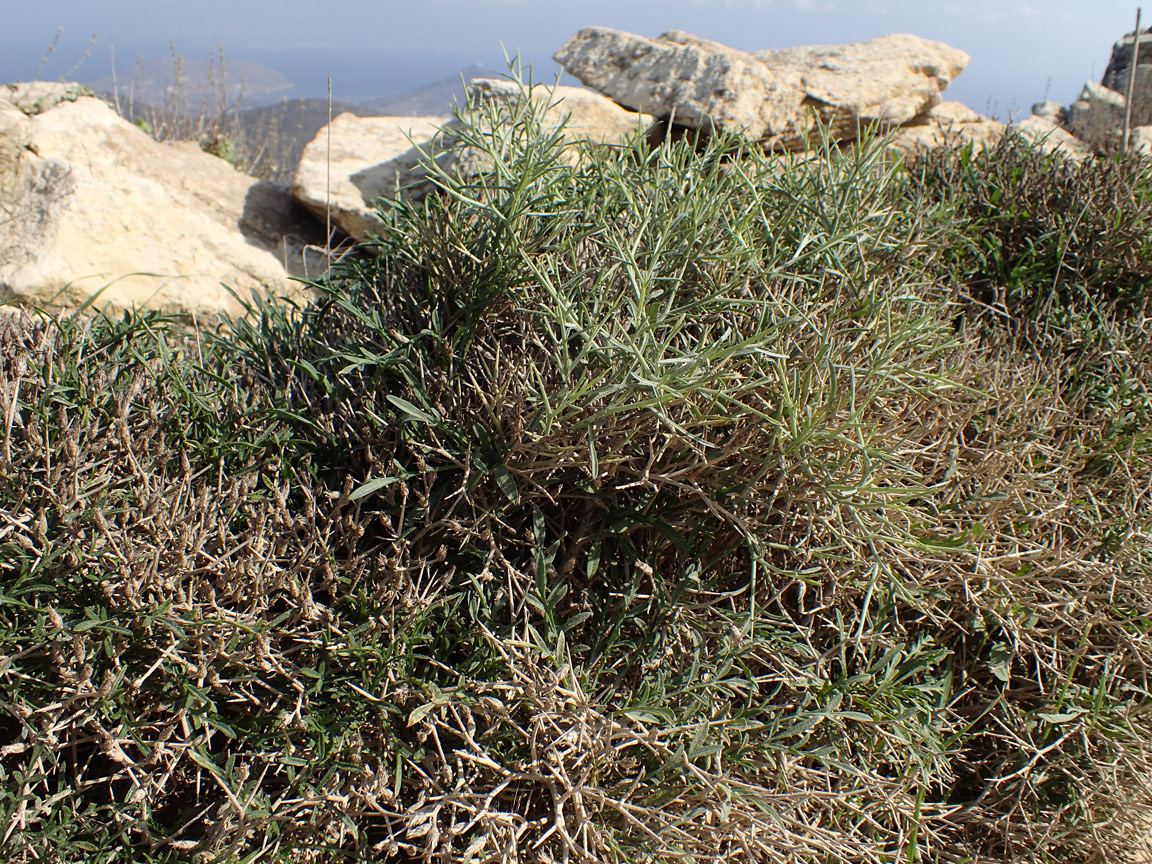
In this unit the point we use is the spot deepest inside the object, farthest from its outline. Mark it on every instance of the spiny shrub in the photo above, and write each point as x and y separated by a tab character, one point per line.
642	505
1041	238
1055	253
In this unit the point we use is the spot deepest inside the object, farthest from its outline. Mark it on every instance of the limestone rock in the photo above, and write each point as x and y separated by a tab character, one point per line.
369	159
1049	110
954	113
696	82
373	158
1141	138
588	117
36	97
1120	63
888	81
773	96
1097	117
1117	75
949	124
1050	137
1142	95
89	204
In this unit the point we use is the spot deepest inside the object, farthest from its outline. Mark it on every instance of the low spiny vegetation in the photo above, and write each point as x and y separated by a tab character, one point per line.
673	503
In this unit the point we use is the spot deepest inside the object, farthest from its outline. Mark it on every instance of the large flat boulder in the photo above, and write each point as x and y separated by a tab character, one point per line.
949	124
774	96
354	161
91	206
887	82
386	157
692	81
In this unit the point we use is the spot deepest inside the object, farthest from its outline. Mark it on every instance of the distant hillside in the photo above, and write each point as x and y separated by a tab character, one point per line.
196	84
431	100
189	99
286	128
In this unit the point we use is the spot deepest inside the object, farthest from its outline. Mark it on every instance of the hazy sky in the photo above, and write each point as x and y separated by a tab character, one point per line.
1019	51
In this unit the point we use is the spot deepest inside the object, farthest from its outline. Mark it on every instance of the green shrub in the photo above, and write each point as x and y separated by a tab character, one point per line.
1041	238
645	506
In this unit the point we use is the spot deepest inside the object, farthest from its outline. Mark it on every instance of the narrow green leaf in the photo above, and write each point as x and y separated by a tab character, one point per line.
371	486
592	567
507	483
411	412
577	619
1064	717
1000	661
420	713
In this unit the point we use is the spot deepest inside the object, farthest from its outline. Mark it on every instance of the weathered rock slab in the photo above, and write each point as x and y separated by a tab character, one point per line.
385	157
1050	137
949	124
1119	68
775	96
91	206
1049	110
888	81
1097	117
366	164
1141	140
695	82
587	116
